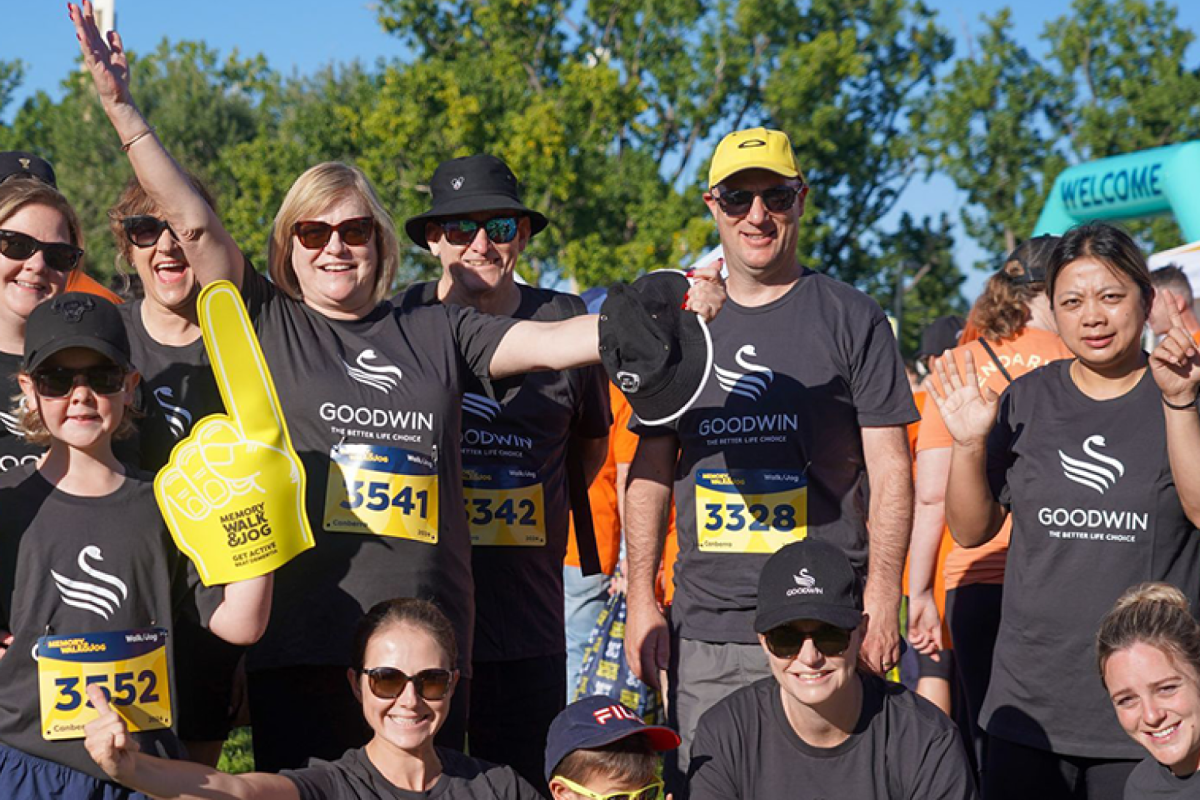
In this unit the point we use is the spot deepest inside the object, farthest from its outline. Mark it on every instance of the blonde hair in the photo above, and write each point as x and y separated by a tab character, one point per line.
16	193
1155	614
315	190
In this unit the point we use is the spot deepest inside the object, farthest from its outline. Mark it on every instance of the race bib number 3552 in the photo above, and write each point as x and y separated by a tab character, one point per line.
750	510
384	491
130	666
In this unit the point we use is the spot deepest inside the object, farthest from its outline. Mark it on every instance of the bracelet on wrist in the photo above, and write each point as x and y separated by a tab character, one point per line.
1183	407
148	132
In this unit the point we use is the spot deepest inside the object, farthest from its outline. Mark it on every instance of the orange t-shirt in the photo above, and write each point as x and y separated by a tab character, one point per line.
1025	352
81	282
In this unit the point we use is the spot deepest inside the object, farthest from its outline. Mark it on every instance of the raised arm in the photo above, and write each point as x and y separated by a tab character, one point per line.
972	514
1175	364
210	250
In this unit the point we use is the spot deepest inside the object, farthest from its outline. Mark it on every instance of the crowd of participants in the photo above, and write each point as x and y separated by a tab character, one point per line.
752	493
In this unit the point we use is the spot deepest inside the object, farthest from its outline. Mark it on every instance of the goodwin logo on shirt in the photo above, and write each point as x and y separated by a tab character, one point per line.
94	597
382	377
749	380
485	408
805	584
1096	471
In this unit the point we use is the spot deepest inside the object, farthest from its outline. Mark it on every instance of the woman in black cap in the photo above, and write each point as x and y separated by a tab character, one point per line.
372	398
1095	459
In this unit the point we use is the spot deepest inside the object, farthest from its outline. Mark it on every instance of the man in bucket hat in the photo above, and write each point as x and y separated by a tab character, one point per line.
806	400
520	442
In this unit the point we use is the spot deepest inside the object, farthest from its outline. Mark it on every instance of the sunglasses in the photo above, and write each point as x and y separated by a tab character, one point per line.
651	791
786	640
500	230
315	235
145	230
59	256
387	683
59	381
737	202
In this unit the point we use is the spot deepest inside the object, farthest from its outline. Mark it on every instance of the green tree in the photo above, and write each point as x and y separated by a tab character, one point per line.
11	74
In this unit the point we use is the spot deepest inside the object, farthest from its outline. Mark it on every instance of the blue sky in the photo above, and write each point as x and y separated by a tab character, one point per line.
304	35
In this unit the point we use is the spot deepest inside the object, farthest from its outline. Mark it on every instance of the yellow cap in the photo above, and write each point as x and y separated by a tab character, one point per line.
756	148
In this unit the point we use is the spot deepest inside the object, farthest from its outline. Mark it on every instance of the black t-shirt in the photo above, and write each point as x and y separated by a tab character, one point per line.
47	538
902	747
177	389
376	402
773	444
354	777
514	451
1094	511
1150	780
14	450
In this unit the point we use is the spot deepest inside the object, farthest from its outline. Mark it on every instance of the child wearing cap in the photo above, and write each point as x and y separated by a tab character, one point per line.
598	749
90	581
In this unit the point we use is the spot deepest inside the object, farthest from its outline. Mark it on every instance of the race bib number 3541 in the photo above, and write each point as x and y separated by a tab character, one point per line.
385	491
130	666
750	510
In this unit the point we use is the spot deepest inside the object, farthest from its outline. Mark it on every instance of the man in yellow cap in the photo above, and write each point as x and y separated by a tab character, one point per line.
807	403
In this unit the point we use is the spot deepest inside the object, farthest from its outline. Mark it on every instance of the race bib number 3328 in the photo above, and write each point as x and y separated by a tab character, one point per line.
380	490
130	666
750	510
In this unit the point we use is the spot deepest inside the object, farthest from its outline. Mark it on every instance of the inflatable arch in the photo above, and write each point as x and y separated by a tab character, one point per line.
1142	184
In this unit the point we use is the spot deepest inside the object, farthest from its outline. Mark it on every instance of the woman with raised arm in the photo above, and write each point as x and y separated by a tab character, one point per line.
1094	458
403	675
372	398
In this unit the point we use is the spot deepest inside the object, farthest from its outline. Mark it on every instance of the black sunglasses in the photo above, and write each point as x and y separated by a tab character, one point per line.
59	256
387	683
786	640
315	235
59	381
145	230
500	230
737	202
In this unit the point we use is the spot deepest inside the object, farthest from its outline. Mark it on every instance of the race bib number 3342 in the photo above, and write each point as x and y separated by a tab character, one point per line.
750	510
130	666
380	490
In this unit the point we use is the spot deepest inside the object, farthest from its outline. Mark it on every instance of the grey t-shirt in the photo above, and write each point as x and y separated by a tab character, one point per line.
772	449
902	748
374	403
1150	780
1094	511
354	777
14	449
514	453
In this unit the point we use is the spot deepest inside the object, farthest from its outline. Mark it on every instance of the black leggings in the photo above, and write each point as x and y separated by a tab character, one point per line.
1020	773
973	612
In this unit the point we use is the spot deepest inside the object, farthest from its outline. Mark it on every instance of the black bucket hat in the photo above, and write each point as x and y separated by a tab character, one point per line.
472	183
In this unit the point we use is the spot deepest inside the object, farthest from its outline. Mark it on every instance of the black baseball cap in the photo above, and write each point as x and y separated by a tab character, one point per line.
596	721
469	184
71	320
19	164
656	353
1033	255
808	579
940	335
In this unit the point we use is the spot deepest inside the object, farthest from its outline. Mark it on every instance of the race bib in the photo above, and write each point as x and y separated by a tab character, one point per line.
383	491
750	510
506	506
130	666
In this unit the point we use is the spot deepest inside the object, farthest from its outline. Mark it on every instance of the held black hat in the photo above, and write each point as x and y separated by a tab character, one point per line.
465	185
657	354
75	319
596	721
1033	255
940	335
17	163
809	579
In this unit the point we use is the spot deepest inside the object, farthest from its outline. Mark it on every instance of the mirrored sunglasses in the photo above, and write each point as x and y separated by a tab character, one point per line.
500	230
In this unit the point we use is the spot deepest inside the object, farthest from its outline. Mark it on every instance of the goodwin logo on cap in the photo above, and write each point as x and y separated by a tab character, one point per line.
805	584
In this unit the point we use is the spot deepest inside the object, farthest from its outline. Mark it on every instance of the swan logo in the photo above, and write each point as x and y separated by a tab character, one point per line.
483	407
1100	473
11	424
805	584
100	600
179	419
751	382
383	377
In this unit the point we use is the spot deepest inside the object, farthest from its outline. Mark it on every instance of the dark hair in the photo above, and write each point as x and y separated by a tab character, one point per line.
135	202
1173	278
1155	614
630	759
1108	244
420	614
